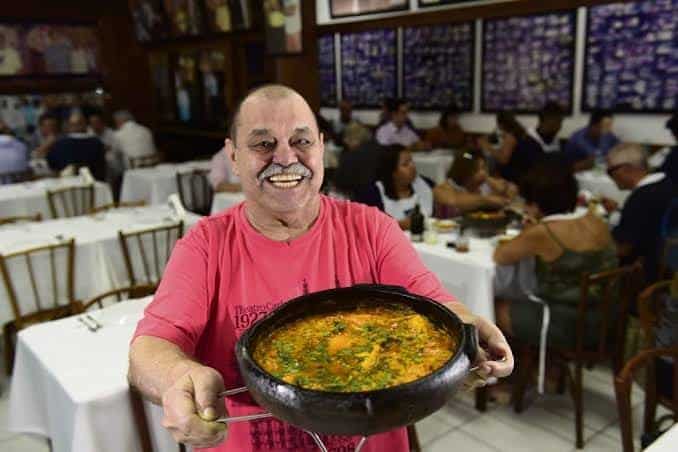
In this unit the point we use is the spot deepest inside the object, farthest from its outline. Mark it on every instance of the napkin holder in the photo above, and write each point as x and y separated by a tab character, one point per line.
177	209
86	175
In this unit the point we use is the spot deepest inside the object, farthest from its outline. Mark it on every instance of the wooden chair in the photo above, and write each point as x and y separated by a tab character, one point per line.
144	162
150	251
617	288
622	385
650	309
117	205
16	177
71	201
123	293
44	256
195	191
413	439
20	219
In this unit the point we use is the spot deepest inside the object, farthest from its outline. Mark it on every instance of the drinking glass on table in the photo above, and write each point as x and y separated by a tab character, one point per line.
463	243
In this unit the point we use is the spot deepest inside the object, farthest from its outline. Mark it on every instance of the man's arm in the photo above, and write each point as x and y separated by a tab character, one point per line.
185	389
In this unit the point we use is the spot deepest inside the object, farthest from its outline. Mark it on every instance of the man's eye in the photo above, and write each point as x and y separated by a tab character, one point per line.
265	145
302	142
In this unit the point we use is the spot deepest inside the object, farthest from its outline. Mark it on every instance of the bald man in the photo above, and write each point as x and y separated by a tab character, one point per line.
78	148
283	241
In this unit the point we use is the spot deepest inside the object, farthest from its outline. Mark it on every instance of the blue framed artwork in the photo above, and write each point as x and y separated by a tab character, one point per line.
528	61
328	75
369	67
438	65
631	60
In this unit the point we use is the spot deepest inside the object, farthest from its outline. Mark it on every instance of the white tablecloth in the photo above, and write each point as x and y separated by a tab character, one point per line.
434	164
668	442
223	201
29	198
155	184
99	264
473	277
74	390
600	184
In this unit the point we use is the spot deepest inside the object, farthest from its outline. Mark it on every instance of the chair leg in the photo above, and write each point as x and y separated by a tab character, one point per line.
481	399
650	397
622	389
523	378
413	439
8	339
577	390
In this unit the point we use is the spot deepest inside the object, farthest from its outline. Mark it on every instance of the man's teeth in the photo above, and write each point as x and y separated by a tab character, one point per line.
285	178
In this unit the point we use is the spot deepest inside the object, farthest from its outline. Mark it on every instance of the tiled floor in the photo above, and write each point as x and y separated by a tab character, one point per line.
547	425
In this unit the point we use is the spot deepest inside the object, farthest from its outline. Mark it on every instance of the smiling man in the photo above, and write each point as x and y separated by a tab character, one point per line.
284	241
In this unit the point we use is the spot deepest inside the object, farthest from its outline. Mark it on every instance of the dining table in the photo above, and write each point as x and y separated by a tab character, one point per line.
433	164
155	184
599	184
226	200
99	264
667	442
74	391
29	198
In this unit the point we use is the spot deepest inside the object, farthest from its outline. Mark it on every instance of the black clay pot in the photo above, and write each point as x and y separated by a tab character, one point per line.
356	413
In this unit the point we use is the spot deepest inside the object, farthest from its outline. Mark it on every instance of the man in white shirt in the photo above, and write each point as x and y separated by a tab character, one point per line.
550	122
397	130
132	140
10	60
97	127
13	153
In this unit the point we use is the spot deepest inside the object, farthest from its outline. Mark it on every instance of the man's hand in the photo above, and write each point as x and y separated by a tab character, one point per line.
495	358
610	205
191	406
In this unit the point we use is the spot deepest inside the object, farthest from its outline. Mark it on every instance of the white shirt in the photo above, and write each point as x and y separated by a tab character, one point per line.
134	140
553	147
388	134
402	208
651	178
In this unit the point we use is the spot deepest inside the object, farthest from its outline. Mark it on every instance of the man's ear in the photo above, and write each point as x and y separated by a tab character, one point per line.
230	150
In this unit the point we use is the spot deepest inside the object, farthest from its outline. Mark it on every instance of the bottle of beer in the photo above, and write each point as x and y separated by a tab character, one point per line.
417	224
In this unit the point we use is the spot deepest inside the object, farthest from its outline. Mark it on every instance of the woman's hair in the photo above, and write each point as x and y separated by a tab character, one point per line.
551	187
451	110
387	166
464	167
510	124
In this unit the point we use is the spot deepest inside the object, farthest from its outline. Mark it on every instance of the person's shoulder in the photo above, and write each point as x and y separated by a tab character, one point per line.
353	214
217	228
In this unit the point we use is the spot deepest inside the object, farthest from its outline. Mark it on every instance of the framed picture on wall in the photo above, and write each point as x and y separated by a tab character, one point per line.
346	8
162	87
212	69
184	16
187	88
149	19
224	16
425	3
283	26
40	50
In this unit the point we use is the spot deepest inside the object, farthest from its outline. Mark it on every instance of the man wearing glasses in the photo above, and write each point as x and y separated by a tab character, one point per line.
638	232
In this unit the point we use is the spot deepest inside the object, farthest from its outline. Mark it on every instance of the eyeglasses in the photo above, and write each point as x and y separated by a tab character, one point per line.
613	168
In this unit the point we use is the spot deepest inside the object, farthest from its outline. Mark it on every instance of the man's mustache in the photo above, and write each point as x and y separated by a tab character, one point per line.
275	169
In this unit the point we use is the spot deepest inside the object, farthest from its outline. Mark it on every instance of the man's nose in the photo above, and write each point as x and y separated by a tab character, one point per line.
284	155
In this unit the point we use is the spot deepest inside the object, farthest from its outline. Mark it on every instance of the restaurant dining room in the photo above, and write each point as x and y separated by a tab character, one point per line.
339	226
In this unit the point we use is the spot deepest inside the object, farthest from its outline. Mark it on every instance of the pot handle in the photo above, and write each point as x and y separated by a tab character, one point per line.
470	341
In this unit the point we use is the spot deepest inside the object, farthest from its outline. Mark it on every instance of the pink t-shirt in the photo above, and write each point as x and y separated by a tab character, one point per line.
224	275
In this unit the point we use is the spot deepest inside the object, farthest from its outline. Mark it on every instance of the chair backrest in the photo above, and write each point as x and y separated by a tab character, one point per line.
117	205
15	177
646	359
20	219
669	235
195	191
613	291
118	295
144	162
651	308
147	251
71	201
35	274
